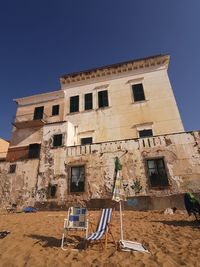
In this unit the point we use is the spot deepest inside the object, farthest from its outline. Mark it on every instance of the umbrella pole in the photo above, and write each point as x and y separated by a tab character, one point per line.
120	214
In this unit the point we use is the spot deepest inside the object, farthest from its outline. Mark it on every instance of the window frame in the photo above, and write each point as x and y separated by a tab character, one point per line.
39	115
55	110
150	129
73	106
105	105
71	190
90	102
36	155
53	140
134	95
157	187
87	143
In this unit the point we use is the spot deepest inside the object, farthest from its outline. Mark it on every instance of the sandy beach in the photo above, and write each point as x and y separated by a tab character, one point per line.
35	239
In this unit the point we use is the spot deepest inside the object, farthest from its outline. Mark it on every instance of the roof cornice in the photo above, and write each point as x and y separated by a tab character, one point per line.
119	68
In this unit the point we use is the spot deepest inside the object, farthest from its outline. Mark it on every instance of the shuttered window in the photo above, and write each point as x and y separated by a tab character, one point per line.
74	103
88	101
103	98
138	92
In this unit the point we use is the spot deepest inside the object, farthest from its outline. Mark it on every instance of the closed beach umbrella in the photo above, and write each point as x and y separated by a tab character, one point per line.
118	191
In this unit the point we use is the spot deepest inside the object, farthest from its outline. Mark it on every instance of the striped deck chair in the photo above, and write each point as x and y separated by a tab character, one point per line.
103	228
76	221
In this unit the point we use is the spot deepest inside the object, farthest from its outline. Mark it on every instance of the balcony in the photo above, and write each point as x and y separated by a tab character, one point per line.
29	120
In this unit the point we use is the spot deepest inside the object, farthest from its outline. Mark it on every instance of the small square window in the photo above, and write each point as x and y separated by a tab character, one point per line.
88	101
74	104
86	141
103	98
12	168
57	140
138	92
145	133
55	110
77	179
157	173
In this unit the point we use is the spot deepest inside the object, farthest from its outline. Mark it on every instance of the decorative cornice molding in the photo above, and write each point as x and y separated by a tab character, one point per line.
124	67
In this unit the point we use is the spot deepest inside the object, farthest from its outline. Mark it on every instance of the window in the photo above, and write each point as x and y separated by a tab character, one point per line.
34	151
88	101
103	98
157	173
38	113
145	133
57	140
74	104
86	141
12	168
55	110
138	92
52	189
77	179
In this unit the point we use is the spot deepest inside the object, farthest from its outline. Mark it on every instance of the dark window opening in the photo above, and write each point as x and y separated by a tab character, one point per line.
12	168
52	189
146	133
55	110
103	98
77	179
74	104
38	113
157	173
86	141
138	92
34	151
57	140
88	101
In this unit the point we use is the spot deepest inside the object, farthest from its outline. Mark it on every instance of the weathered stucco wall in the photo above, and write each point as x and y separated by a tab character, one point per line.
181	153
18	187
123	116
30	183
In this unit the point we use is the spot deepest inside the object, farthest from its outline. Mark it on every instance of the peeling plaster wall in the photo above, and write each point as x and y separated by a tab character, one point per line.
181	153
18	187
30	183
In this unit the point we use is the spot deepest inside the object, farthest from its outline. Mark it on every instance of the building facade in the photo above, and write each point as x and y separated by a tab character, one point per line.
64	143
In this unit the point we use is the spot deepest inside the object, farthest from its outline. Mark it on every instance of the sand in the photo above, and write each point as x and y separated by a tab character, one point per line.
35	239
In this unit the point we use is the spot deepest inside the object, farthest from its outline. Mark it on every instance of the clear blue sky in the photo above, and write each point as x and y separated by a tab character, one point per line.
42	39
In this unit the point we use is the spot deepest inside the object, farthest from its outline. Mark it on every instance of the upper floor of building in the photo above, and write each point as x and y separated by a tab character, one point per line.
126	100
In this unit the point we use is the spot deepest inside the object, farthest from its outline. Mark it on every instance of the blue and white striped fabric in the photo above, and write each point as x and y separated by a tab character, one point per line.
101	229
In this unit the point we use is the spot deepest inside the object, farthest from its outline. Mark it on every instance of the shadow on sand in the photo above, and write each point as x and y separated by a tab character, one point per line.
49	241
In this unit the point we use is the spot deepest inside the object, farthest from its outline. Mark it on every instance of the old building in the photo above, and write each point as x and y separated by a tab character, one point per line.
64	142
